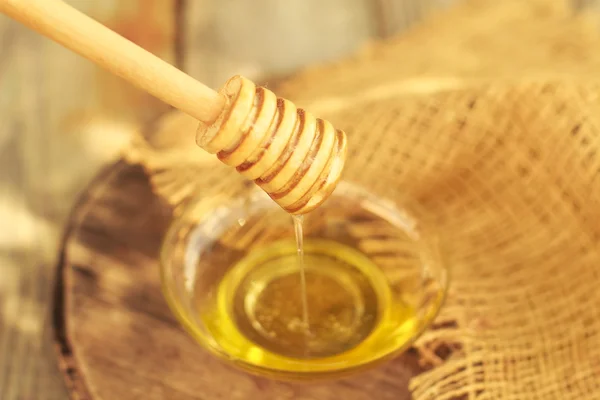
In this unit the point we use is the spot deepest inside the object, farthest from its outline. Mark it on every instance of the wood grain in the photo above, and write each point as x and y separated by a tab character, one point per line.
274	41
87	37
116	335
62	118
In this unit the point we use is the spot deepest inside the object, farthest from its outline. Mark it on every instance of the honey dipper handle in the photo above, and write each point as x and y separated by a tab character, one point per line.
87	37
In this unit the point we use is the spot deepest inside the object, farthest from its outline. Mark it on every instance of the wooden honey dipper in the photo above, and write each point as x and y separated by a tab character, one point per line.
295	158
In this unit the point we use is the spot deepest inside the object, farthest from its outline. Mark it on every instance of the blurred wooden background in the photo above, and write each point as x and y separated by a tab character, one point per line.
62	118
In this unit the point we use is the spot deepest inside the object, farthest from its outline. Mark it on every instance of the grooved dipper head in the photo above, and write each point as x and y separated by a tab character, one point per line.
295	158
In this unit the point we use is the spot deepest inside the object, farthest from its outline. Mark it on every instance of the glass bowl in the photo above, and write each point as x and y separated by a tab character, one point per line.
373	270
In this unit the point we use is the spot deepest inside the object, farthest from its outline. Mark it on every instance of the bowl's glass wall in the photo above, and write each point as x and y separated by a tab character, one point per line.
411	257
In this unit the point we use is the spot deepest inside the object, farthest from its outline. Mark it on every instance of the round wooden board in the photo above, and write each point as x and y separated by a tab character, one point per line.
116	337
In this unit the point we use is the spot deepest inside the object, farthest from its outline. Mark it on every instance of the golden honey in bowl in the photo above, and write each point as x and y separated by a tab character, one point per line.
363	290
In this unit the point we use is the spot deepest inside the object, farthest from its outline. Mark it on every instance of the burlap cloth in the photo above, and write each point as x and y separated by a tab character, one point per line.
488	114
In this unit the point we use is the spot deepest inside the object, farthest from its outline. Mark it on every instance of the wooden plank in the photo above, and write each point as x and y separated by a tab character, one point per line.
265	40
270	38
62	118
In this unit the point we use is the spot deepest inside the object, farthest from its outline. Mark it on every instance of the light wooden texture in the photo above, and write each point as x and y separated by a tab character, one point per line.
274	42
119	339
85	36
295	158
62	119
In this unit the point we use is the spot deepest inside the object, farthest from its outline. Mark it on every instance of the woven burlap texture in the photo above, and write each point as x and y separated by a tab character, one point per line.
512	176
504	152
